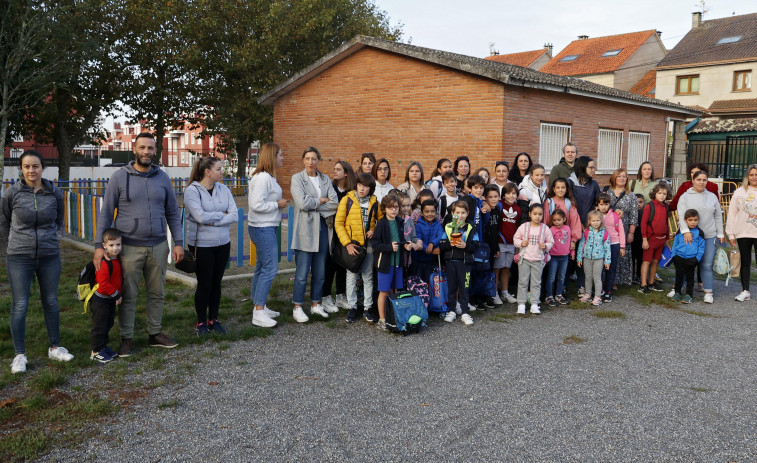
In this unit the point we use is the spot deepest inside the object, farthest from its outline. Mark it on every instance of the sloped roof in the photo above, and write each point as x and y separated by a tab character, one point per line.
646	86
524	58
589	51
747	124
507	74
729	105
700	44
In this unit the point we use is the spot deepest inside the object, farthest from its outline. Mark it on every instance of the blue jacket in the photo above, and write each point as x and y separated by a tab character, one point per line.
695	249
585	196
428	233
596	246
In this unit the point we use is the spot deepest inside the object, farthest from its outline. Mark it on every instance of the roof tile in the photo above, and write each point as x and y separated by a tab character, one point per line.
747	124
646	86
524	58
724	105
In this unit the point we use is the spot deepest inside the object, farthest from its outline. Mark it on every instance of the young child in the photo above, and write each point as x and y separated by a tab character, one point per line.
593	252
449	196
636	246
558	264
617	234
459	257
106	298
431	233
424	195
388	247
654	235
533	188
490	236
560	196
534	239
687	256
409	234
507	226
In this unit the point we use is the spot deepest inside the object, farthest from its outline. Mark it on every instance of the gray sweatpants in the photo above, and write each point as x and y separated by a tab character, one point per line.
529	270
593	271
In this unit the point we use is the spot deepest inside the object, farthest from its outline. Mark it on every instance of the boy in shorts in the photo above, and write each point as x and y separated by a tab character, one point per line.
511	215
654	235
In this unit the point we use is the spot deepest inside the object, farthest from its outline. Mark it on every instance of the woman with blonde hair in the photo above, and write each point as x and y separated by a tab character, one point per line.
741	226
625	204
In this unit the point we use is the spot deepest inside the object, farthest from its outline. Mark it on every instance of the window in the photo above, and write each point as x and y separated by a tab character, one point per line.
18	139
742	81
552	138
638	150
732	39
612	52
687	85
608	152
569	58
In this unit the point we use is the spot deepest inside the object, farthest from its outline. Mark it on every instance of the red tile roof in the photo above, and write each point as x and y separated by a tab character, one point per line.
524	58
727	105
589	51
646	86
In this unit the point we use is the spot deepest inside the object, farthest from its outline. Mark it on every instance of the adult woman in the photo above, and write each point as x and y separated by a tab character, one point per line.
413	180
501	171
264	215
710	224
521	168
644	181
585	192
211	211
711	187
31	218
626	205
741	226
435	183
461	168
483	172
314	201
343	182
382	172
367	161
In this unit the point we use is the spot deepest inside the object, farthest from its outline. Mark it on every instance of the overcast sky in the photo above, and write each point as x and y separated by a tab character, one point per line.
467	27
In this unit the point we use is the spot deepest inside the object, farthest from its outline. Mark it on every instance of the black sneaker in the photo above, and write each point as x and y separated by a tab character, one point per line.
162	340
551	301
607	297
202	329
369	317
654	288
216	327
125	349
560	299
644	290
353	315
110	352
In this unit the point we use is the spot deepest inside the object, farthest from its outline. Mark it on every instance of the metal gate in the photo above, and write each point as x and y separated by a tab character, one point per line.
727	159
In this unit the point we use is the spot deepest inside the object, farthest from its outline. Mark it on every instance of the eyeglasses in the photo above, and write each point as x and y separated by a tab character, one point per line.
501	163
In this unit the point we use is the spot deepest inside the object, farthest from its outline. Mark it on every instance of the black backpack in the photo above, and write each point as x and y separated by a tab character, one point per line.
87	284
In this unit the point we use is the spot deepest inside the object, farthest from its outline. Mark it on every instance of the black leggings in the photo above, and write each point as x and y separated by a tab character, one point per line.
745	248
211	264
334	272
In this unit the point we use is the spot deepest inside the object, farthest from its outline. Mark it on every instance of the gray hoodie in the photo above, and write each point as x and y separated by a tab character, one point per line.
710	213
32	221
145	201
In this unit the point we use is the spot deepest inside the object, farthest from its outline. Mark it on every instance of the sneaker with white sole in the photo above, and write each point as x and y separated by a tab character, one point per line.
262	319
60	354
509	298
521	309
467	319
672	293
329	305
270	313
318	309
743	296
299	315
535	309
471	307
450	316
708	298
341	302
19	364
496	300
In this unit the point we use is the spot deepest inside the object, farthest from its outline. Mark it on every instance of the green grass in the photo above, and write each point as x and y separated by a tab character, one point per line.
609	314
169	404
502	317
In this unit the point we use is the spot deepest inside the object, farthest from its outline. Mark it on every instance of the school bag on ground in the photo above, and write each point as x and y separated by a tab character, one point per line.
416	283
438	289
87	284
405	313
483	284
722	264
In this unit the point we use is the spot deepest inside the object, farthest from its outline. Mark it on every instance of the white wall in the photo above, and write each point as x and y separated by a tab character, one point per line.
715	83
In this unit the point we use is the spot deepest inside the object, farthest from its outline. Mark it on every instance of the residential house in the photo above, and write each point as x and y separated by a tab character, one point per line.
534	59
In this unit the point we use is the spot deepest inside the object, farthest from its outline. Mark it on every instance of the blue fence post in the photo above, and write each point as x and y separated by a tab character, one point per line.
290	231
240	237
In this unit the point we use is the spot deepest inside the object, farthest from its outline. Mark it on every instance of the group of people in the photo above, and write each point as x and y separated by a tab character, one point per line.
510	230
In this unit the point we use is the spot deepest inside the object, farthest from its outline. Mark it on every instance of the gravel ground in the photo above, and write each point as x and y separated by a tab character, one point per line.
659	385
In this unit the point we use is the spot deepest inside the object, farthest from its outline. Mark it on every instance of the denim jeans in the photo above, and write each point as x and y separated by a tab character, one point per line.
311	262
609	274
556	269
267	265
149	262
366	270
21	269
706	264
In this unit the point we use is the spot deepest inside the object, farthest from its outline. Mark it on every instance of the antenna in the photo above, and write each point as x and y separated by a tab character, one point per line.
492	51
702	6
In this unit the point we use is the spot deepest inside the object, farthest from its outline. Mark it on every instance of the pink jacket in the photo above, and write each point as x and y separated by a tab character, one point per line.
562	239
614	227
574	220
533	251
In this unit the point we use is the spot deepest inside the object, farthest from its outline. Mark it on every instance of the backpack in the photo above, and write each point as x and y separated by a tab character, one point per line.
440	187
87	284
552	205
547	257
722	265
416	283
405	312
651	212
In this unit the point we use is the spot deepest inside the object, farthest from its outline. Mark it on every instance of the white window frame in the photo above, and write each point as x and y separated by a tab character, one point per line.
552	139
638	150
609	148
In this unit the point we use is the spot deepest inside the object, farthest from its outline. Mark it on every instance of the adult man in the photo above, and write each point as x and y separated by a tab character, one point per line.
145	200
565	167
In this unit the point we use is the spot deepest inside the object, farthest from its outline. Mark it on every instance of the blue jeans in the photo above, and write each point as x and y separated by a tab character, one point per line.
556	270
308	262
267	265
611	272
21	269
705	265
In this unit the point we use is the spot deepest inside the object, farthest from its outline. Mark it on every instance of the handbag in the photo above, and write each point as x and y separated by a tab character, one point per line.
188	264
734	257
342	257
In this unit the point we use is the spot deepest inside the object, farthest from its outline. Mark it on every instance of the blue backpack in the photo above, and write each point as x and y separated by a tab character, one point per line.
406	313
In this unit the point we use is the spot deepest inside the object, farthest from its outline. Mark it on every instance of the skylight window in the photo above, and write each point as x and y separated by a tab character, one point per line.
569	58
612	52
733	39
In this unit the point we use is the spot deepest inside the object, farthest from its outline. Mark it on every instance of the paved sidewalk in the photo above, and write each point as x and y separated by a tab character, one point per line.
660	385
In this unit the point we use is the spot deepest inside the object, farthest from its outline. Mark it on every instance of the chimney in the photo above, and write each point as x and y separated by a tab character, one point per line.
548	47
659	33
696	19
583	37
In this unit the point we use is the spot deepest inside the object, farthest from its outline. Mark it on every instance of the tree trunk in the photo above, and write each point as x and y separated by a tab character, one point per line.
60	137
160	131
243	147
3	134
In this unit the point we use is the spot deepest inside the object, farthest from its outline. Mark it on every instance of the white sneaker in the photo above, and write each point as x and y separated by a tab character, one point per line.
458	310
341	302
329	305
318	309
535	308
261	318
19	364
471	307
467	319
743	296
509	298
673	293
299	315
450	316
497	300
521	309
270	313
708	298
60	354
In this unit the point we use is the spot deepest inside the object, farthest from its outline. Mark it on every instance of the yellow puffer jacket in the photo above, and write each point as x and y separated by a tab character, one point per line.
349	227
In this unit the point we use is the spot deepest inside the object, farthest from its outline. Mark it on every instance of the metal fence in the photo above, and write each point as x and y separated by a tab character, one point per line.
726	159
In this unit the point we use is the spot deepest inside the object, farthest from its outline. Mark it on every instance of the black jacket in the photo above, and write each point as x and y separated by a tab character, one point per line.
450	252
382	244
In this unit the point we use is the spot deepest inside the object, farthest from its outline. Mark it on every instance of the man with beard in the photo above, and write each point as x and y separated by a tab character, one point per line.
564	168
144	198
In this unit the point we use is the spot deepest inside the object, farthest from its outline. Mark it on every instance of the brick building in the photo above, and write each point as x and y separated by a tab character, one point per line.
406	103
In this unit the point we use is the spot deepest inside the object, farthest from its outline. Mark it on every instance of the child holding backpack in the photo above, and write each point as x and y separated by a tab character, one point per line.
593	255
617	233
654	235
686	257
106	298
534	240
